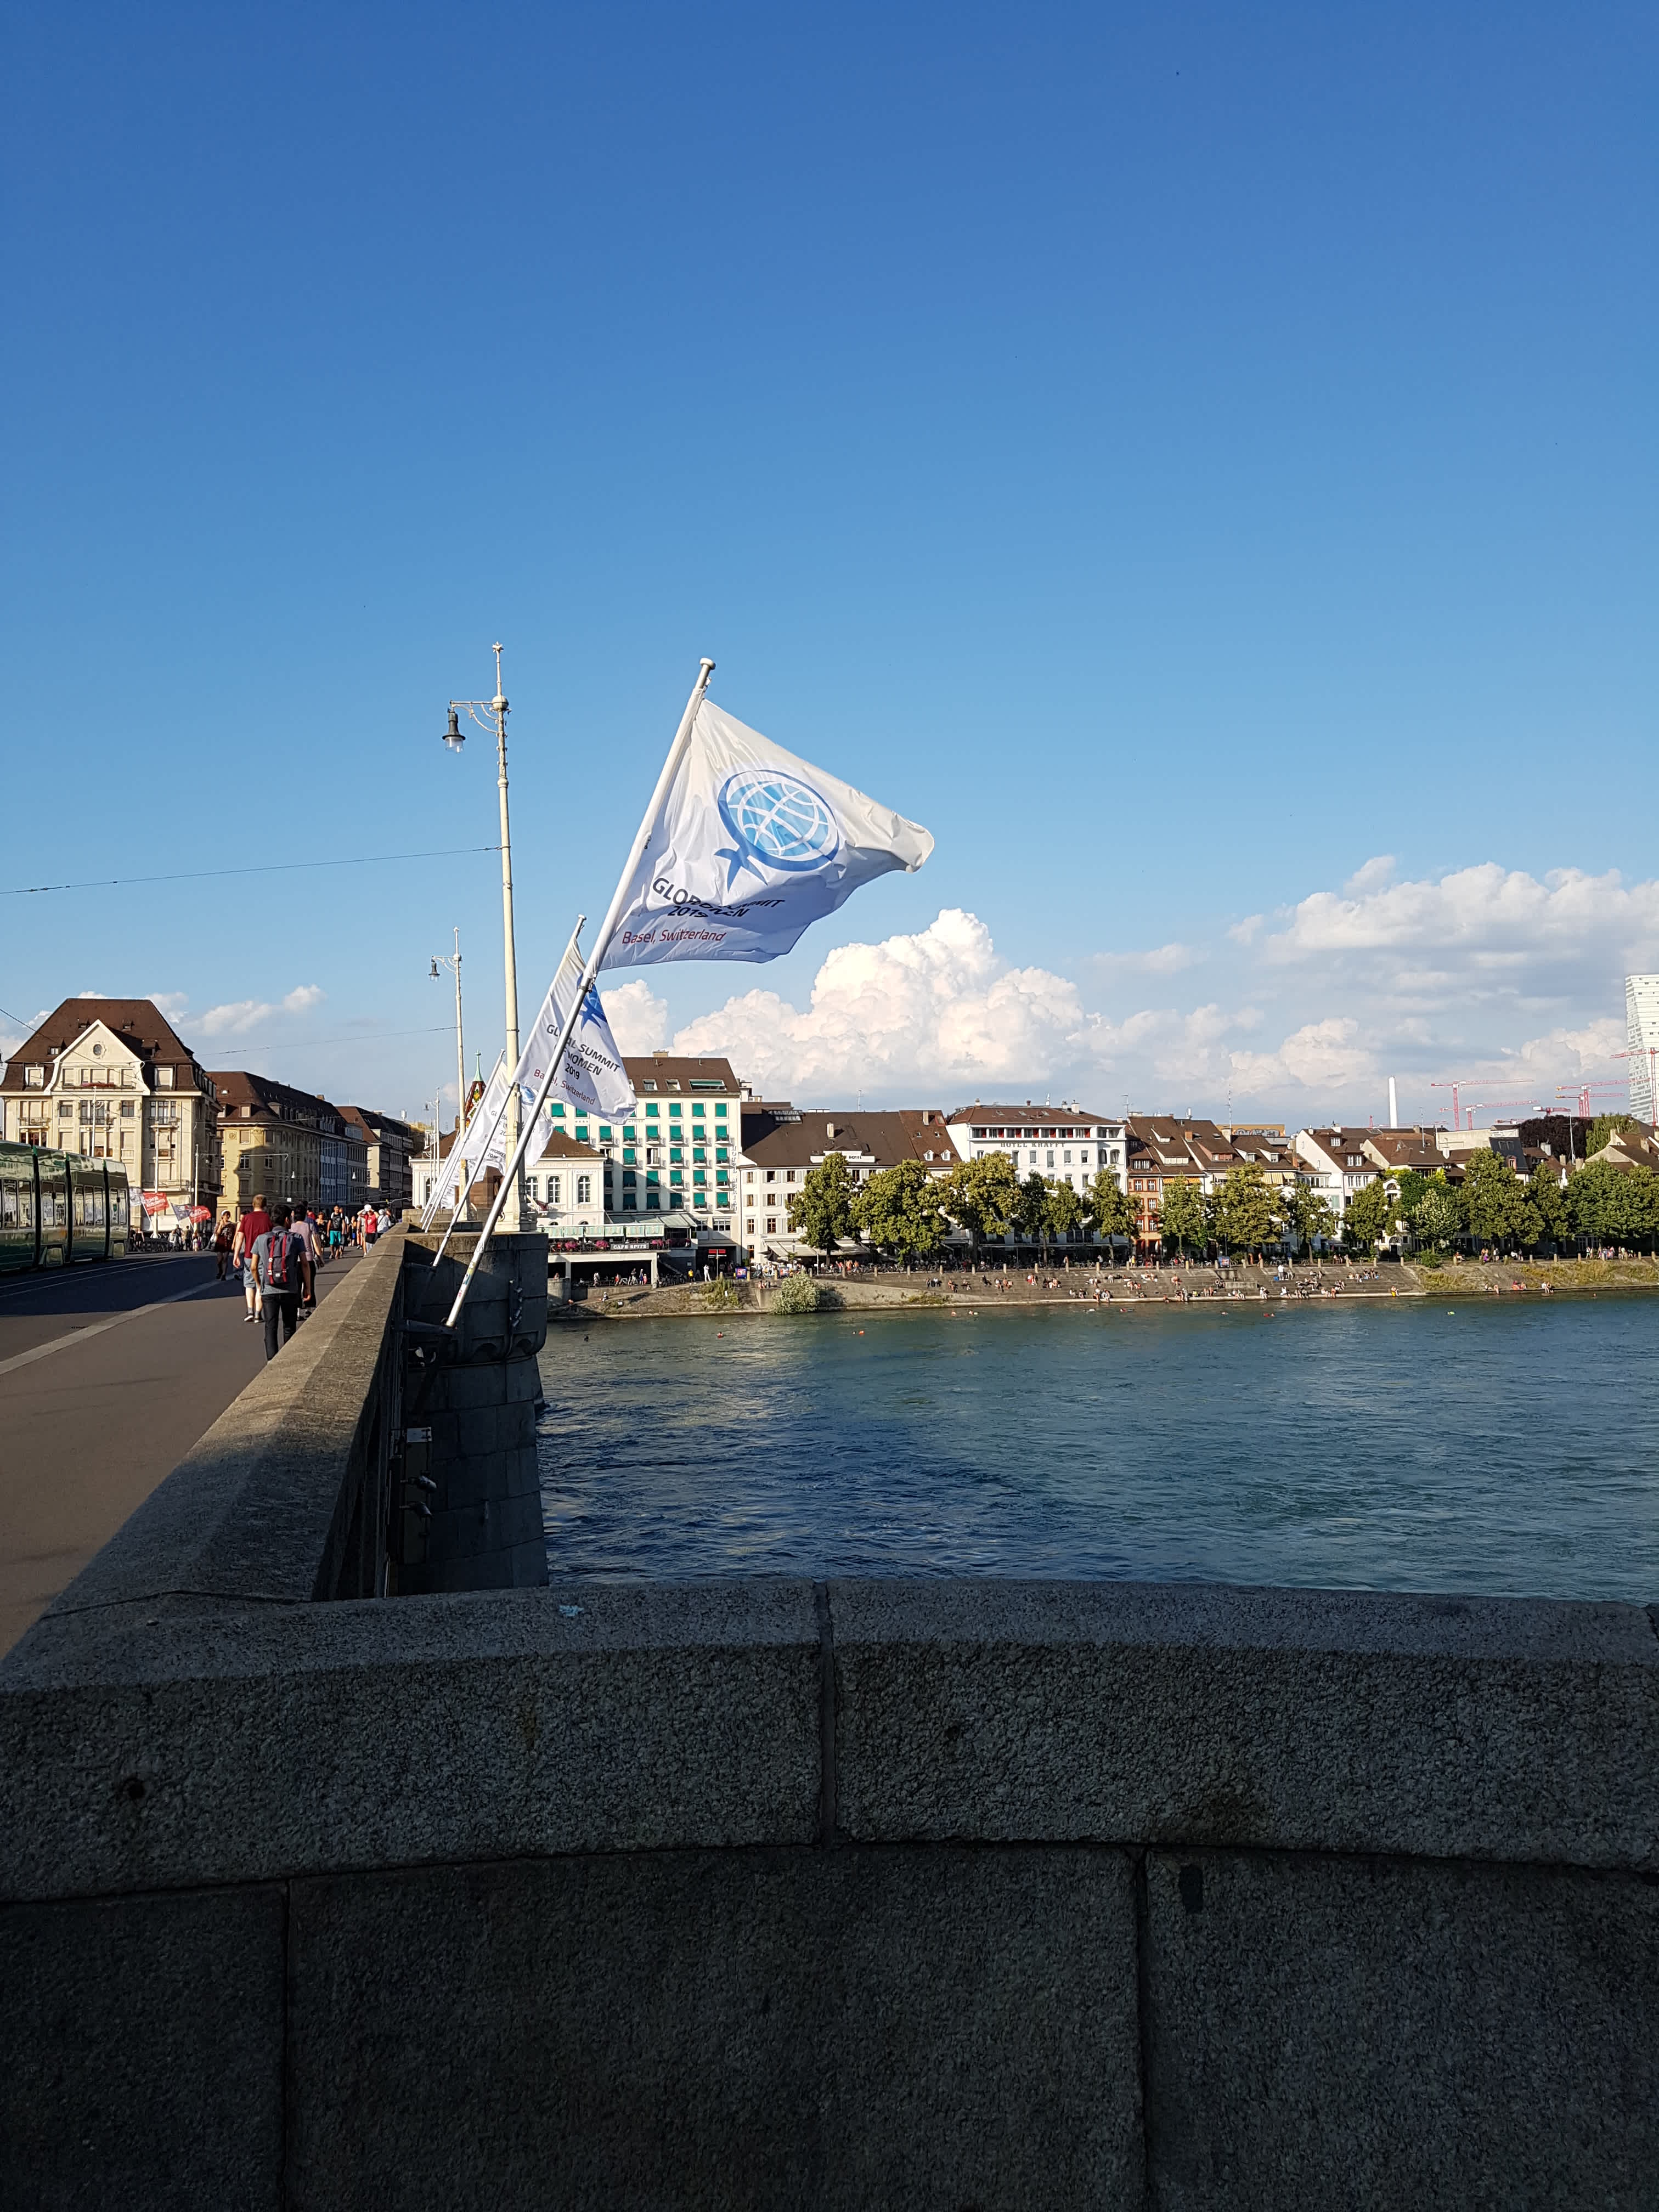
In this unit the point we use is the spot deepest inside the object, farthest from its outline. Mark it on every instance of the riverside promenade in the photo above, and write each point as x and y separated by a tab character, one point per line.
108	1376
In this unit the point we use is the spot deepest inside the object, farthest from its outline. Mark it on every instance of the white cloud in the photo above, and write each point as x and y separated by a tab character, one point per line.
638	1017
235	1019
171	1003
303	998
1163	960
1326	1057
921	1016
1475	920
1513	983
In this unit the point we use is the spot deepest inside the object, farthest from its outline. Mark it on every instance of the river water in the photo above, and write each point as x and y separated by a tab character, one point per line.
1429	1444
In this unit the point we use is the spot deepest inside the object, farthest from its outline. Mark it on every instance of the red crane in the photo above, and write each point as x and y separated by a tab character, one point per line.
1453	1088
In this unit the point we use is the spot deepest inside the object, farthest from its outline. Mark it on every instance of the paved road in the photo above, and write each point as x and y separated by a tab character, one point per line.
108	1375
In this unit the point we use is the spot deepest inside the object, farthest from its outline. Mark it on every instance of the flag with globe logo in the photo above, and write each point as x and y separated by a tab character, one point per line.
751	846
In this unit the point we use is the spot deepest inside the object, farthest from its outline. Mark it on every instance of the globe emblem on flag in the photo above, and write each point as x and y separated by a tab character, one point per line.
777	821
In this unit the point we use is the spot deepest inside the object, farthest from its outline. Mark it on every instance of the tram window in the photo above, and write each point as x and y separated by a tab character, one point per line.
7	1204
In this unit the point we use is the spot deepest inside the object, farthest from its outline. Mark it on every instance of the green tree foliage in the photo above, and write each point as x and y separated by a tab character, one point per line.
1032	1207
821	1212
898	1211
1614	1206
1112	1211
1247	1214
1365	1224
1495	1203
1438	1221
1062	1210
1549	1204
1181	1217
1307	1214
983	1195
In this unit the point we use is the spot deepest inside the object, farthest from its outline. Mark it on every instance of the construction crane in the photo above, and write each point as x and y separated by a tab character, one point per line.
1453	1088
1652	1054
1505	1105
1583	1092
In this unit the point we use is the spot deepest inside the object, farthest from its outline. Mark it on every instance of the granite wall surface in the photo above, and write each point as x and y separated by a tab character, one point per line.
757	1894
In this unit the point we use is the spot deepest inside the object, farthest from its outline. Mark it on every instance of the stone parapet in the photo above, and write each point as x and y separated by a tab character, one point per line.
863	1894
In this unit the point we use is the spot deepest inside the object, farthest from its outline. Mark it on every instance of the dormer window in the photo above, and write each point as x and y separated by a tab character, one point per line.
34	1078
164	1079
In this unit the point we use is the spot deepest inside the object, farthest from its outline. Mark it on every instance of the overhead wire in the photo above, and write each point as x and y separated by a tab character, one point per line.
262	868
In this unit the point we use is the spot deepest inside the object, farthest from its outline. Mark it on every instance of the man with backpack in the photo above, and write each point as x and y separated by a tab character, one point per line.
280	1263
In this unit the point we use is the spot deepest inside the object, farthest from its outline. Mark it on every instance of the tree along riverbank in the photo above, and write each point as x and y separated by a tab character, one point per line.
1170	1284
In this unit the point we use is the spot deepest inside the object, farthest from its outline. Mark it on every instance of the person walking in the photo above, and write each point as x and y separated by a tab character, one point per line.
253	1224
306	1232
224	1238
279	1262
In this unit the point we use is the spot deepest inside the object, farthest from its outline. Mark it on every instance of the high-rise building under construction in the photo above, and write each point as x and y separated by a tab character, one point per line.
1641	1043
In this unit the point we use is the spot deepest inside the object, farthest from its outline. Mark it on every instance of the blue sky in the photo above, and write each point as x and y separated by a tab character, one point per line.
1194	459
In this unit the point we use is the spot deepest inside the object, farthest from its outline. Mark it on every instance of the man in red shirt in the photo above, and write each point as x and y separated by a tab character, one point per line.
254	1223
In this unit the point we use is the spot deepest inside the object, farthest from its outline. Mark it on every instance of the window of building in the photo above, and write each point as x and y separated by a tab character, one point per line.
720	1111
698	1111
699	1175
35	1078
584	1190
554	1186
629	1178
630	1204
789	1175
650	1111
673	1110
604	1133
771	1225
677	1151
721	1152
676	1175
66	1111
771	1175
531	1190
629	1134
673	1086
651	1202
628	1156
164	1079
700	1151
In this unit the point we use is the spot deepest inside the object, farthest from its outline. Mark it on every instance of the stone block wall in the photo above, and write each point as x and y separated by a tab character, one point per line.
480	1402
937	1894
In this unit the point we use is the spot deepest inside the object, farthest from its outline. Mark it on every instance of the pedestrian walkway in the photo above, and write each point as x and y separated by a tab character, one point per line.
108	1375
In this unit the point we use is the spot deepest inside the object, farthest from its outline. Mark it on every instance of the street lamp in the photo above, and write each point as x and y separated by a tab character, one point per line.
453	960
454	737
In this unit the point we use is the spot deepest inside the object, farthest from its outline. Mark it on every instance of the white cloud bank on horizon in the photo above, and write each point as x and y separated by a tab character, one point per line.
1511	983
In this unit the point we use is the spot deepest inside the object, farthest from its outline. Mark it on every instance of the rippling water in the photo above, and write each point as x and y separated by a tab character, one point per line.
1429	1445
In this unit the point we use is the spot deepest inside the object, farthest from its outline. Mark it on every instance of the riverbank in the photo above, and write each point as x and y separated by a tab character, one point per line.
991	1289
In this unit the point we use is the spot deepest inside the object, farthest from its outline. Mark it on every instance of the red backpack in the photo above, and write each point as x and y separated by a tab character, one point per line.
276	1255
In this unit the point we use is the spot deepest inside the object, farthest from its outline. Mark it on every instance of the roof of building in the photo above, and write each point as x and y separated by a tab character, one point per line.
1402	1151
1629	1148
139	1024
1027	1116
777	1135
376	1125
238	1087
660	1070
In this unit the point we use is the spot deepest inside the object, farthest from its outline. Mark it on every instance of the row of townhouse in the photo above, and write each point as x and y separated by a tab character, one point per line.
701	1156
112	1079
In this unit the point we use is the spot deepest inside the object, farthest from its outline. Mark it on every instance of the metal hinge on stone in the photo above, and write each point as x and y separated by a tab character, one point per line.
418	1492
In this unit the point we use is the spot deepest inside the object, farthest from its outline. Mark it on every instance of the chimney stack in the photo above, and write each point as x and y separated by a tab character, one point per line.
1394	1106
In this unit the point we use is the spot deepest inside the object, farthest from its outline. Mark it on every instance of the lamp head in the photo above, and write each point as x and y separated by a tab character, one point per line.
435	971
454	737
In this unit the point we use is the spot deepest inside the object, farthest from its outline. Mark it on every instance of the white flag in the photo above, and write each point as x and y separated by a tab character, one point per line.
751	847
474	1146
590	1076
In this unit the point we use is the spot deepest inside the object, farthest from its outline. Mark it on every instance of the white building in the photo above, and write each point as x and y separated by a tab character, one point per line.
1064	1144
1641	1043
1339	1162
111	1079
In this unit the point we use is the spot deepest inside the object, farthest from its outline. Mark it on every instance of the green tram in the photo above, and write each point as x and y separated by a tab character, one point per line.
56	1208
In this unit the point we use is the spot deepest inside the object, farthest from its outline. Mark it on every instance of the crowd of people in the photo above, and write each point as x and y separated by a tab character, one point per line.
278	1250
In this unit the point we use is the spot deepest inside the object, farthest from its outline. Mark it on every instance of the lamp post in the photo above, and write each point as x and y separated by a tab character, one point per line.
513	1213
453	960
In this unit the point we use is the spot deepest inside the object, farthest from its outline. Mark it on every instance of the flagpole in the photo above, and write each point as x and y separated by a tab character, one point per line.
601	945
490	1136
